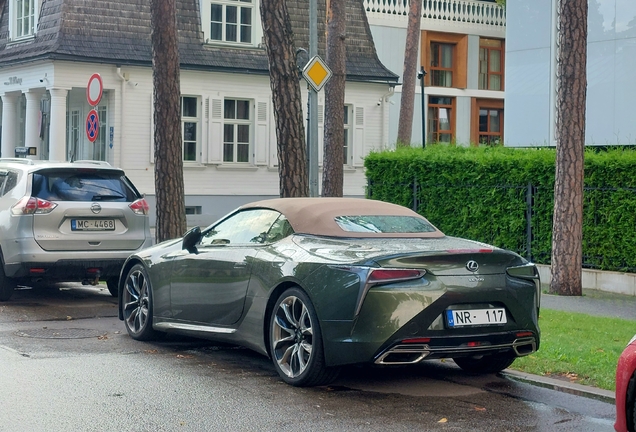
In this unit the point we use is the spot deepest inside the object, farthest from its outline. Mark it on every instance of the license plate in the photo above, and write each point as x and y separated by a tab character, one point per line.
92	225
471	317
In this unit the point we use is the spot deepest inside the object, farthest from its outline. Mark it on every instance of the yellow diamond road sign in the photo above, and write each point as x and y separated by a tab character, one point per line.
317	73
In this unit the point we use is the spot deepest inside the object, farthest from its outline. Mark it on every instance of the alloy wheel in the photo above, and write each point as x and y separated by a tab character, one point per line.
292	336
136	301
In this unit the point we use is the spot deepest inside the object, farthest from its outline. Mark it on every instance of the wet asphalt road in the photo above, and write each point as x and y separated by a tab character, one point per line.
66	364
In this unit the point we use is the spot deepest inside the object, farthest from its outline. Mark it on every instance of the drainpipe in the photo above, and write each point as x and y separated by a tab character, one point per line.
122	111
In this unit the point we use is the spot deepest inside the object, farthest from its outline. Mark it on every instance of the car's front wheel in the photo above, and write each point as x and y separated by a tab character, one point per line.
486	363
137	305
296	341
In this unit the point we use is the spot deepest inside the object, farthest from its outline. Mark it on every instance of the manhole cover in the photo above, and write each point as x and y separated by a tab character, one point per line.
67	333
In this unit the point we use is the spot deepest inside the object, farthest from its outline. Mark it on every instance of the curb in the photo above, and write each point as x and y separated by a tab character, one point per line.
562	386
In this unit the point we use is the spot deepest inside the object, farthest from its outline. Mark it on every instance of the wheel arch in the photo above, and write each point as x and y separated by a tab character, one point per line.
269	308
130	263
630	400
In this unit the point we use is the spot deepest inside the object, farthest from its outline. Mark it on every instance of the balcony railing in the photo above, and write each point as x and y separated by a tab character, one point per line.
451	12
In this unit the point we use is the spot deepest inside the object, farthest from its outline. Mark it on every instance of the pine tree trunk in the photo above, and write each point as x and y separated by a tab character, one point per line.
285	85
567	235
405	123
332	175
169	189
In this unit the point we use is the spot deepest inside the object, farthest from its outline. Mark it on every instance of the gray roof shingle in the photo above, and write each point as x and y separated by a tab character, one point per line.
118	31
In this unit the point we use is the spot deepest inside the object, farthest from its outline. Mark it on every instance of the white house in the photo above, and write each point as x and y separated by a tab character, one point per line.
531	84
49	49
462	49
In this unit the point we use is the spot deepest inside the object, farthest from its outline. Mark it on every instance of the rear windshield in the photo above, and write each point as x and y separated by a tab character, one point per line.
384	224
82	185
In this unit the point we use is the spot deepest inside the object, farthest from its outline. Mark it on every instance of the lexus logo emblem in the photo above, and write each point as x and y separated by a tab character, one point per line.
96	208
472	266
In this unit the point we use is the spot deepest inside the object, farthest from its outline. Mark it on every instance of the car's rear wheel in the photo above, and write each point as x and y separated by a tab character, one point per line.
6	285
137	305
296	341
486	363
113	286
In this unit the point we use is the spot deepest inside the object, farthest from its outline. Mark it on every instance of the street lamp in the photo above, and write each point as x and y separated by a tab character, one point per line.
420	76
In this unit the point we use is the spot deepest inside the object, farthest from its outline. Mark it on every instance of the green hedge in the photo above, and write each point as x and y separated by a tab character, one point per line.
484	193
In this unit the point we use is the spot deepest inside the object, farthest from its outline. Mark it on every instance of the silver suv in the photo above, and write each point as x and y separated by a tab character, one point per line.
67	221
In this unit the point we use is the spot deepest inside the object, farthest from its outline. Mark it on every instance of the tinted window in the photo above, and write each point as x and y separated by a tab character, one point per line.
8	180
249	226
82	185
384	224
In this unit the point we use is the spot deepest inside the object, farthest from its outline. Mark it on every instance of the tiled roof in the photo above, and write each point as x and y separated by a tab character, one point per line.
118	31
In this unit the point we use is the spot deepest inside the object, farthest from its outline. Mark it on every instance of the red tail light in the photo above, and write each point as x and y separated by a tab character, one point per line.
394	275
416	340
140	207
32	205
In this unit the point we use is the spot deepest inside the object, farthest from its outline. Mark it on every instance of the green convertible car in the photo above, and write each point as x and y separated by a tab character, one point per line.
318	283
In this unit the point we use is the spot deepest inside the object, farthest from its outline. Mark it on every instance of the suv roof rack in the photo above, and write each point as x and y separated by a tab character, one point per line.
18	160
93	162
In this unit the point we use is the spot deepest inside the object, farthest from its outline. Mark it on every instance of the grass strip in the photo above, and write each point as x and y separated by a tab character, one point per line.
578	347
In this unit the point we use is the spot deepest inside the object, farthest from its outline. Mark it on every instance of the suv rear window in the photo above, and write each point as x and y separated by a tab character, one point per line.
82	185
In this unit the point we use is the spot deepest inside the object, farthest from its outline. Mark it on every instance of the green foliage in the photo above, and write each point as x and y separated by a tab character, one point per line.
482	193
563	354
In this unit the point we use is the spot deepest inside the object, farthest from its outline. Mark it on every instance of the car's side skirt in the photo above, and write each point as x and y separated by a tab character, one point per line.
170	326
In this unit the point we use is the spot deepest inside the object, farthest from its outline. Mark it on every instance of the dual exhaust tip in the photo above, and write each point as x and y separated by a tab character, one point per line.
403	354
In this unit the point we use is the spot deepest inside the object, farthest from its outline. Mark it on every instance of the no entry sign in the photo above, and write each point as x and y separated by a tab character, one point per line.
92	125
94	89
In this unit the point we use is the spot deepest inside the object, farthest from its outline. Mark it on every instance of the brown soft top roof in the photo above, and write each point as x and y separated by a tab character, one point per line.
316	216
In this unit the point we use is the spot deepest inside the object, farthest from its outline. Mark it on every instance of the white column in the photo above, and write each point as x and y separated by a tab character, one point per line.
57	132
32	121
9	124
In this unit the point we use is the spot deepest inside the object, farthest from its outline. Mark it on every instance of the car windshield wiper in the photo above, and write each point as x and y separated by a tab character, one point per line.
107	197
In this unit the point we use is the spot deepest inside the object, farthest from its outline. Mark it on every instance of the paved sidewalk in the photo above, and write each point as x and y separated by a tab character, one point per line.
593	302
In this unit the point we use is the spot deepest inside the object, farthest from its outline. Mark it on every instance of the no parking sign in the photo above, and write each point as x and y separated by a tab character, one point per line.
92	125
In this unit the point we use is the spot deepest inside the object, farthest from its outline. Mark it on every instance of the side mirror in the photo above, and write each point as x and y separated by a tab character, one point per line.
190	239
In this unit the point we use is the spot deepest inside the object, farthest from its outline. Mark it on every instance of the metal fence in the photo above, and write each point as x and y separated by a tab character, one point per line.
523	220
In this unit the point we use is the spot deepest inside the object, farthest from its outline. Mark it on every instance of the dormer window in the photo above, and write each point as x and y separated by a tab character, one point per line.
24	18
231	21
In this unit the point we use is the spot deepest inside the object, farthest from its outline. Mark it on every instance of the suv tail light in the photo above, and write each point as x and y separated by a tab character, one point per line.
32	205
140	206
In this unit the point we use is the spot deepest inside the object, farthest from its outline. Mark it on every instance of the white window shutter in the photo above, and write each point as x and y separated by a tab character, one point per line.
358	138
261	133
215	135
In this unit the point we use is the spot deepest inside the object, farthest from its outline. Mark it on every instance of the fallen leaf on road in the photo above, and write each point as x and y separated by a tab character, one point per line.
181	356
480	408
154	351
68	318
102	337
444	420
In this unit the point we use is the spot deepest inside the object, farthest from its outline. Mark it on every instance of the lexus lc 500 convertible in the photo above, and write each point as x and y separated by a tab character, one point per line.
318	283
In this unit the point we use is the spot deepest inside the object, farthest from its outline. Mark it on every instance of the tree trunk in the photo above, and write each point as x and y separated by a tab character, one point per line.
285	85
405	123
169	190
567	235
332	174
